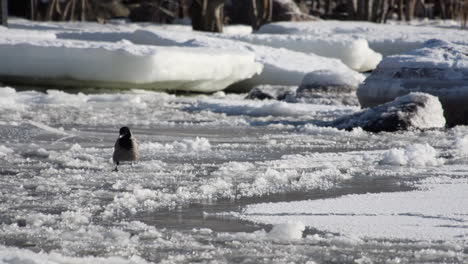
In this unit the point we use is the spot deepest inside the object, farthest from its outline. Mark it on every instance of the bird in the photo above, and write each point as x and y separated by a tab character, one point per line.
125	148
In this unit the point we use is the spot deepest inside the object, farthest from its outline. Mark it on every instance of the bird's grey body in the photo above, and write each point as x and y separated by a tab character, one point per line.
126	147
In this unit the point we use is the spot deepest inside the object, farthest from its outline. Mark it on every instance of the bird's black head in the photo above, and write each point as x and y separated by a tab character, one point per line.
125	132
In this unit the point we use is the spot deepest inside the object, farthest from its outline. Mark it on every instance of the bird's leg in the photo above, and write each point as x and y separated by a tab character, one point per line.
116	165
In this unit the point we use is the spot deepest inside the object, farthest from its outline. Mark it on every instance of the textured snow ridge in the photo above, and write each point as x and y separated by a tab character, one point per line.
123	64
394	216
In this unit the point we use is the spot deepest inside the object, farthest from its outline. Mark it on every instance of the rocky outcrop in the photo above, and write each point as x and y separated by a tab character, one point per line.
328	87
439	68
412	111
271	92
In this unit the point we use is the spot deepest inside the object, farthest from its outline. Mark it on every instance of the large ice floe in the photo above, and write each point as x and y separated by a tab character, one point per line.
122	64
439	68
280	66
387	39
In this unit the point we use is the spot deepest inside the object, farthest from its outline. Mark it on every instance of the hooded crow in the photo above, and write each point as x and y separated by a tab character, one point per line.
125	148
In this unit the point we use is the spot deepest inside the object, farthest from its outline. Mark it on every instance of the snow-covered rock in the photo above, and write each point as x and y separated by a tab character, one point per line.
439	68
353	52
387	39
412	111
123	64
288	10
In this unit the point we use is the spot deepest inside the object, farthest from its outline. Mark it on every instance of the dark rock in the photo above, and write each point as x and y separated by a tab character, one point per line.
327	87
412	111
282	93
21	222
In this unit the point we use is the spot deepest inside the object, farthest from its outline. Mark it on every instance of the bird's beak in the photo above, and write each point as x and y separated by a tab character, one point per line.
121	136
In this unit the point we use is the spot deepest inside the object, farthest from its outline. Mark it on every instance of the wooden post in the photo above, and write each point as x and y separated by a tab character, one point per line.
32	9
207	15
4	13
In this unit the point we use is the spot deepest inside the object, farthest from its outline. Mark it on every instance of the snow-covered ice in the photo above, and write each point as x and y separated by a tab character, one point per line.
353	52
387	39
390	216
280	66
122	64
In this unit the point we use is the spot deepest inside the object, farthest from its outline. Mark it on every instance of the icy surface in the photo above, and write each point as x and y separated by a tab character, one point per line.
203	159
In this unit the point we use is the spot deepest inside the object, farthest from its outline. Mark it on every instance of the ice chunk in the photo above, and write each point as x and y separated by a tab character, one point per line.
281	66
413	155
287	231
4	151
103	64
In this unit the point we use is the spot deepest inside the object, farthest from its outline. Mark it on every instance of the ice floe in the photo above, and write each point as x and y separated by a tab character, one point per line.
122	64
280	66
